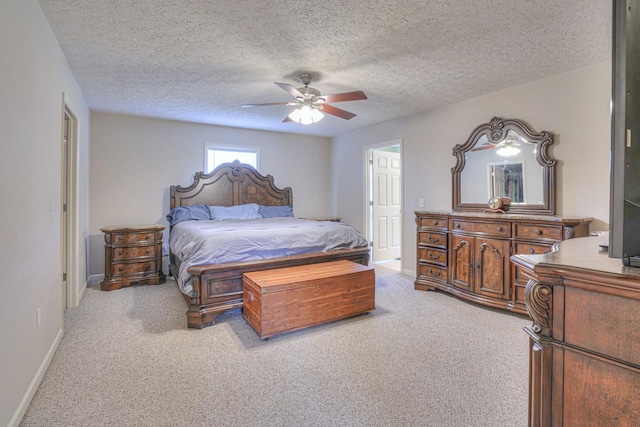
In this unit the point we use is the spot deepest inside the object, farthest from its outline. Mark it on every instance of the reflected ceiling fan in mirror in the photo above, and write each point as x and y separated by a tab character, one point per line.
310	104
507	147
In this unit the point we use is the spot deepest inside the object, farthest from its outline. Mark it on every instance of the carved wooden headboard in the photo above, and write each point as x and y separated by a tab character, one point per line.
231	184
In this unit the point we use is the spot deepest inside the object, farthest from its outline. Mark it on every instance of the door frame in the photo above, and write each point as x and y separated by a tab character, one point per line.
368	190
69	252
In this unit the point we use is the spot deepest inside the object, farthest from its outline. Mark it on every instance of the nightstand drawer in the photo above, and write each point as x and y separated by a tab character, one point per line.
133	237
133	252
134	267
532	231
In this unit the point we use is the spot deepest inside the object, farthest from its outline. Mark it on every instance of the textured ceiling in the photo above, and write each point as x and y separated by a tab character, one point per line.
200	60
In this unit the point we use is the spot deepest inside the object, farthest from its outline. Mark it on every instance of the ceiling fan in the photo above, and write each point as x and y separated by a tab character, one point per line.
310	104
507	147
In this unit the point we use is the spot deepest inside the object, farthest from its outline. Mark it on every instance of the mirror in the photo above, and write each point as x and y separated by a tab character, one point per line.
505	158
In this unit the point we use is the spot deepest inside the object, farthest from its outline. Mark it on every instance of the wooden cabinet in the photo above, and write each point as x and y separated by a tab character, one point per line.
584	367
133	254
468	254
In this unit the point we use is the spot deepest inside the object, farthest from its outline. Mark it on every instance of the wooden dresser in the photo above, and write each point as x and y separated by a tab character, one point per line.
467	253
584	367
132	254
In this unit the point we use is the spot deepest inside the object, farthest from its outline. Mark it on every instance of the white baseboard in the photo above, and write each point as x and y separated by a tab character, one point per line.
408	272
35	382
94	279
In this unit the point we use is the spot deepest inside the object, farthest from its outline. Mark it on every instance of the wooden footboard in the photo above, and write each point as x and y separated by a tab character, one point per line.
218	287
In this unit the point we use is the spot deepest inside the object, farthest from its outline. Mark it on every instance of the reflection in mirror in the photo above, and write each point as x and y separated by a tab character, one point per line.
504	158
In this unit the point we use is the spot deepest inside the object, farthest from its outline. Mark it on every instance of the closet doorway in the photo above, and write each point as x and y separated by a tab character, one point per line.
384	202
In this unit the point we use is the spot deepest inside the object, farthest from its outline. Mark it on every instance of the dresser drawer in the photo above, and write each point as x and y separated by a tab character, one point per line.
134	267
133	252
433	222
532	248
494	229
533	231
433	272
438	240
433	256
133	237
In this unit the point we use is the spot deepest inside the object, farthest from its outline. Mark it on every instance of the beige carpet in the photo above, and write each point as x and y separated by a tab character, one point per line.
420	359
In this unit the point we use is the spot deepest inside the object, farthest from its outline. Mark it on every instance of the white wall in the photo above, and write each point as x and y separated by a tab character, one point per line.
134	161
573	105
34	75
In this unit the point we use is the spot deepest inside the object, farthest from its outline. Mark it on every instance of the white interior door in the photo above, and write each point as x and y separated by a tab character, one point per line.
386	180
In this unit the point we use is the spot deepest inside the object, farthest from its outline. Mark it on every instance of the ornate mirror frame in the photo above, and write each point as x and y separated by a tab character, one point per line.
496	131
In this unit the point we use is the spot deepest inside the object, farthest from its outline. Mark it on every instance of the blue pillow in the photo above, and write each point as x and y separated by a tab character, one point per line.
188	213
275	211
248	211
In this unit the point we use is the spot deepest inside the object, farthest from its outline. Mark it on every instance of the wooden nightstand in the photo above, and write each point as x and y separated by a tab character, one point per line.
132	254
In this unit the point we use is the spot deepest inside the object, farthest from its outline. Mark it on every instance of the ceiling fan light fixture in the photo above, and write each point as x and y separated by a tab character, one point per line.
508	151
306	115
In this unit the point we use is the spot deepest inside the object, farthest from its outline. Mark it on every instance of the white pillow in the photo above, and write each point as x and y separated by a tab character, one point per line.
248	211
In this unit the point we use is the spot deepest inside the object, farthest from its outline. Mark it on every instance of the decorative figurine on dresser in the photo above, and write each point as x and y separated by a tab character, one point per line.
132	254
503	204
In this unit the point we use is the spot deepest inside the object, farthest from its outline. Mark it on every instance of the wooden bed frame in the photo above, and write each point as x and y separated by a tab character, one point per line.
218	287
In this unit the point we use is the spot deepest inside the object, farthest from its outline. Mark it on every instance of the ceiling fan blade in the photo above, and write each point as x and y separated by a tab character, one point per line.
271	103
484	147
289	89
329	109
346	96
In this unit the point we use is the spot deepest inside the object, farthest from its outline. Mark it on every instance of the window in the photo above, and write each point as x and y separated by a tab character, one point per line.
214	156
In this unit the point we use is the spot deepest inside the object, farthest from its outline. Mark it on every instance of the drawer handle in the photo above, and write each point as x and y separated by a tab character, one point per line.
148	267
500	229
120	268
434	256
148	250
432	240
457	225
538	232
547	251
147	237
435	273
531	250
120	252
435	222
120	237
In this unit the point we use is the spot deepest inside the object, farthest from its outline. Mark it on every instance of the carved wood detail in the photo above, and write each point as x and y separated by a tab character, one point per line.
537	299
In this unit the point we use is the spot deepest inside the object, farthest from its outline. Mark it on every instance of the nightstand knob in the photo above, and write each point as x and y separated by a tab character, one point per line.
120	268
457	225
148	250
500	229
531	250
120	237
147	237
538	232
120	252
148	267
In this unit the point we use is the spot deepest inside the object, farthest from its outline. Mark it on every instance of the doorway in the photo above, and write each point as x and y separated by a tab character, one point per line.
384	203
68	207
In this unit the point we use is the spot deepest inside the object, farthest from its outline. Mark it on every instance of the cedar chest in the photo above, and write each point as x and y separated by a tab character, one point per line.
286	299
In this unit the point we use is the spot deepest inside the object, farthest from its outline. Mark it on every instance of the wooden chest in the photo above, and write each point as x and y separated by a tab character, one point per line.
286	299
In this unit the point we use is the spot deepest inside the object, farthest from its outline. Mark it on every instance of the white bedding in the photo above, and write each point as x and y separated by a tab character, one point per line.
217	242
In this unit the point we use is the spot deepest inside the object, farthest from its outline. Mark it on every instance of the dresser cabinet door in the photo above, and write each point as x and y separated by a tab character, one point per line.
492	277
462	261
